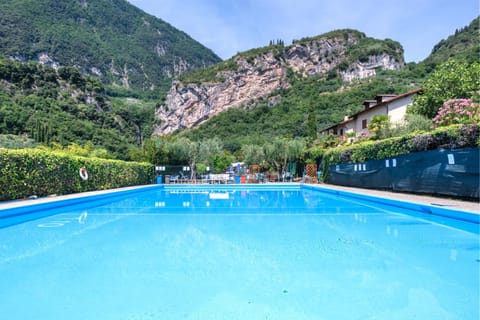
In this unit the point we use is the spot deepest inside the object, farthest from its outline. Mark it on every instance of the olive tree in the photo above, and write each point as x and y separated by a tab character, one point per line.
193	152
280	151
253	154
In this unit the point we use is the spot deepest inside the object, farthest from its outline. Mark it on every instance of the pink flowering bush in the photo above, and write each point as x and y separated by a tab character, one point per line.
457	111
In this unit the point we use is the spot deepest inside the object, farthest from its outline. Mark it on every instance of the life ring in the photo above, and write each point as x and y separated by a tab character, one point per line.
83	173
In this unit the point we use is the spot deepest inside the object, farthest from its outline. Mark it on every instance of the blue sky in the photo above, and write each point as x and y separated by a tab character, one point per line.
231	26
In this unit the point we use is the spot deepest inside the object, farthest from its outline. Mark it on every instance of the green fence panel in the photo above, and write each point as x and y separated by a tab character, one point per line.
453	172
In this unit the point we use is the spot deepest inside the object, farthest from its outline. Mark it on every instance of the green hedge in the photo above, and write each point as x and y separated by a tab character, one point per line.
28	172
452	137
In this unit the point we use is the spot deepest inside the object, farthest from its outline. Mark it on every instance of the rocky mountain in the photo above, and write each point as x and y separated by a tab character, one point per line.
256	74
109	39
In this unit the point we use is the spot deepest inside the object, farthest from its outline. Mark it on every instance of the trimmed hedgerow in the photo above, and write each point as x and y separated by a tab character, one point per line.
451	137
28	172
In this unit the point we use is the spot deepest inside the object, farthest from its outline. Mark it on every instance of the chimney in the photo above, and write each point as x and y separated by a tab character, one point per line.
384	97
369	103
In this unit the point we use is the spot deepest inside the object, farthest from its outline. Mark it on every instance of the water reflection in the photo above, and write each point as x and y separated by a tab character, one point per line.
392	231
453	254
83	217
248	201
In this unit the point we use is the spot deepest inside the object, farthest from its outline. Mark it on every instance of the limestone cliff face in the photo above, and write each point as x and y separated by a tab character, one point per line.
317	57
361	70
190	104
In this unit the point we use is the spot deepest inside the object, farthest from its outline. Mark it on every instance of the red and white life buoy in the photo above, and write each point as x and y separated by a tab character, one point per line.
83	173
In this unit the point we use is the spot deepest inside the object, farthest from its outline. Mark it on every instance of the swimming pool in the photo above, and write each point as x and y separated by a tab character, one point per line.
238	252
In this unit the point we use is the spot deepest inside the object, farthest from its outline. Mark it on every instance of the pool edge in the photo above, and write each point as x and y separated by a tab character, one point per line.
21	207
428	209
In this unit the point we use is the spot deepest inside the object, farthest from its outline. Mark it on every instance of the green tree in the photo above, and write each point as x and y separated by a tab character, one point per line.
154	151
193	152
210	150
311	122
221	161
379	125
417	122
253	154
10	141
280	151
451	80
179	150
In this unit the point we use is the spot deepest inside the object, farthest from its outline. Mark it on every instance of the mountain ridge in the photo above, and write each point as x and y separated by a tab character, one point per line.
255	74
110	39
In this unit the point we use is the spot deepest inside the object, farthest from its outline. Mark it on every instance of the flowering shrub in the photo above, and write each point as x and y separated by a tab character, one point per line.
456	111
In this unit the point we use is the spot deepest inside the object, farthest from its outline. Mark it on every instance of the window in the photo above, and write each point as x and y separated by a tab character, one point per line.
341	132
364	124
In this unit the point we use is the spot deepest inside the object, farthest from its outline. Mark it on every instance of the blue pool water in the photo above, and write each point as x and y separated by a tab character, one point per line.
237	253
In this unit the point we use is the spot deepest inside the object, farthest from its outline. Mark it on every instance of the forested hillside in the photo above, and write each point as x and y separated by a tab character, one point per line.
110	39
65	107
463	44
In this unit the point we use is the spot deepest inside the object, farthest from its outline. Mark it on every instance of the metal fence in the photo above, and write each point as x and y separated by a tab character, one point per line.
170	174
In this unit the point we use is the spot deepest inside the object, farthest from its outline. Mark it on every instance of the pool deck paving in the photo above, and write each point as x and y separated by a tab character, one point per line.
53	198
454	204
451	203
